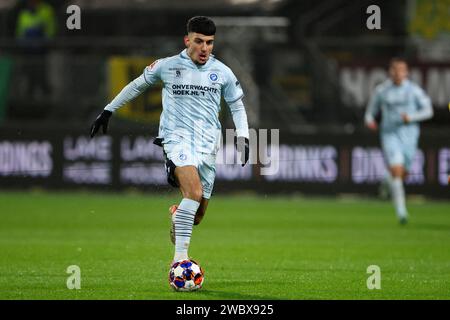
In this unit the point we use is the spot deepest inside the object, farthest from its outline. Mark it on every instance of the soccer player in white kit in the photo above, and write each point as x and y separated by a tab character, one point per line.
189	131
402	104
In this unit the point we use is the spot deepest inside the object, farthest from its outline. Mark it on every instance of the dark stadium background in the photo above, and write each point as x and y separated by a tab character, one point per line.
307	68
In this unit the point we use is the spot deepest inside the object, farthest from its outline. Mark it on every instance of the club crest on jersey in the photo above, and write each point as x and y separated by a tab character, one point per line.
182	157
213	76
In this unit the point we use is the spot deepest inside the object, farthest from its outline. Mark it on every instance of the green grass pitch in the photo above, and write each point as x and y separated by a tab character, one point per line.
250	247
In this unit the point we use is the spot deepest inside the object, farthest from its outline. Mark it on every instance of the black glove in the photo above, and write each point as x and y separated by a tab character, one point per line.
101	121
242	146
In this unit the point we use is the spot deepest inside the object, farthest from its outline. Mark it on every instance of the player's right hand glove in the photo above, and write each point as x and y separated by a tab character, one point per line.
242	146
101	121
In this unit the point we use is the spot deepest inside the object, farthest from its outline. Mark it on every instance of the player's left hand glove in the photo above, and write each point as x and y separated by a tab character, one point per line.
243	147
101	121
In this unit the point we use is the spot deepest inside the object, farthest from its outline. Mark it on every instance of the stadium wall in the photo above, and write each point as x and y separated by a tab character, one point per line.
315	163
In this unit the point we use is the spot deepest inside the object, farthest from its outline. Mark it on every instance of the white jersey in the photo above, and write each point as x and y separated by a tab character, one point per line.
394	100
191	97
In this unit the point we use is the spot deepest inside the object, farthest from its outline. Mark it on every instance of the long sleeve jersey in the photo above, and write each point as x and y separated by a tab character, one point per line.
393	101
191	97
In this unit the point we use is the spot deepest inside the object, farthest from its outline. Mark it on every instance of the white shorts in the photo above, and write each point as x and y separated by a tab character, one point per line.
399	149
180	154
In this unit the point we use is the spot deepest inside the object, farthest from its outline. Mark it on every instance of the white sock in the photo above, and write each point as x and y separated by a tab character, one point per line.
398	197
387	179
184	221
386	185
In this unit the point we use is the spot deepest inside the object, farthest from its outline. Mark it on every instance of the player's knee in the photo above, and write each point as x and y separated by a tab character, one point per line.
195	194
397	172
198	193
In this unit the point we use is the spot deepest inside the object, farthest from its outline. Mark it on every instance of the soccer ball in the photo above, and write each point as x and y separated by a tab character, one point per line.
186	275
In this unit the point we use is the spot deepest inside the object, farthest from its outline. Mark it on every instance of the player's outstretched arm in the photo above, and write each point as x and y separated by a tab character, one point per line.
101	121
373	108
128	93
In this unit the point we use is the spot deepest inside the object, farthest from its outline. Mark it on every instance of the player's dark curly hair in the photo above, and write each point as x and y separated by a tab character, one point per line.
201	24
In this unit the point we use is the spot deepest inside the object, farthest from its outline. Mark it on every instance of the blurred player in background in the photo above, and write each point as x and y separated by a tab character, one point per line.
35	28
402	104
189	131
